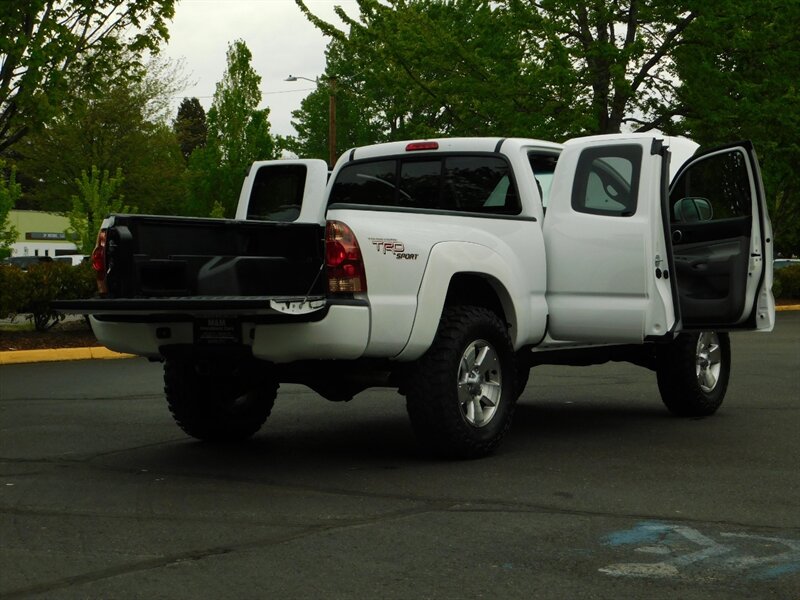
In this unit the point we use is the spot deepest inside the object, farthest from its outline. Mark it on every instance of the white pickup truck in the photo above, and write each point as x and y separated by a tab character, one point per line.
447	269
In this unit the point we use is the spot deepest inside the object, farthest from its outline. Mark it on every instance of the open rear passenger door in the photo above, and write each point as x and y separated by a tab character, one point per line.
721	241
606	242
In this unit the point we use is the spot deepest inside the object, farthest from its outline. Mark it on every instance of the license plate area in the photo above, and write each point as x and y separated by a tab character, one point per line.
215	331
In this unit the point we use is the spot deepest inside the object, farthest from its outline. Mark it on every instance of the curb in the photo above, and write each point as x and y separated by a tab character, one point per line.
14	357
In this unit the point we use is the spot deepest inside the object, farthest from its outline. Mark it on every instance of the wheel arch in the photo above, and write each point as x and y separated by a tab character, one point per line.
451	278
481	289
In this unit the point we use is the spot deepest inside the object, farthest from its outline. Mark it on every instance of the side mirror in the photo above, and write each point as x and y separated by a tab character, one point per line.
687	210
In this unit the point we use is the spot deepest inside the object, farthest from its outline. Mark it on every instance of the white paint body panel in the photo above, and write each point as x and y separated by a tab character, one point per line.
599	287
342	334
406	296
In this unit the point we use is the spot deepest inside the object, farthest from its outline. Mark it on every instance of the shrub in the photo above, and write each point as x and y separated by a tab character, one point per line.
46	282
34	290
80	283
13	290
787	282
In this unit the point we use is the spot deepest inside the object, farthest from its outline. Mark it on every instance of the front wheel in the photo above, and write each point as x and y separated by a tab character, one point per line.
462	391
693	373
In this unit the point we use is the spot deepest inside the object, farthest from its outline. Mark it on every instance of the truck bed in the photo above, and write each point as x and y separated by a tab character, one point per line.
169	265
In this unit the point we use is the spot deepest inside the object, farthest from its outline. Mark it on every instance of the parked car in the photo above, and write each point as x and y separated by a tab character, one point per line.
72	259
23	262
782	263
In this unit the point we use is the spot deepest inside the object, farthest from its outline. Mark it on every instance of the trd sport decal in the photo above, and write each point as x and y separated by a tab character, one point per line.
392	246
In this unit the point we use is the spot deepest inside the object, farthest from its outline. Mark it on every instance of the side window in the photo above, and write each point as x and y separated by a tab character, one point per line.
479	184
277	193
371	183
716	187
607	181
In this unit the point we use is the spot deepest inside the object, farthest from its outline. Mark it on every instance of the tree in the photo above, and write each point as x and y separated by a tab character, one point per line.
10	192
119	127
238	134
426	67
740	70
190	126
550	68
51	51
98	197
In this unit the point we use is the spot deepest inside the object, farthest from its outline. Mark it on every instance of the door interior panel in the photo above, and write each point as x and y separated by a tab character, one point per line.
712	203
711	279
709	231
711	262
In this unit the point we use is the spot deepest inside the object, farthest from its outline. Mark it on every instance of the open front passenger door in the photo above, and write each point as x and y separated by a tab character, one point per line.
721	242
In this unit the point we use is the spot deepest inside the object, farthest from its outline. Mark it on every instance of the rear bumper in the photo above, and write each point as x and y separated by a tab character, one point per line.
342	334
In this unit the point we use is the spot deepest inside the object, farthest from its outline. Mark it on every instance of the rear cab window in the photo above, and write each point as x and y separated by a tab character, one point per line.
465	183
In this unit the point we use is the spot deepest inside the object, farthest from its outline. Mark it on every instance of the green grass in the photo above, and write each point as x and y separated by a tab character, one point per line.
19	324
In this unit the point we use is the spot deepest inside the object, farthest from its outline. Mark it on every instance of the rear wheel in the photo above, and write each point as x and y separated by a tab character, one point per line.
219	403
462	391
693	373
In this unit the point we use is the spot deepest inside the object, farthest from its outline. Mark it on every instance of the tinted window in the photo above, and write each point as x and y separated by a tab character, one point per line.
419	184
371	183
479	184
460	183
721	179
607	181
277	193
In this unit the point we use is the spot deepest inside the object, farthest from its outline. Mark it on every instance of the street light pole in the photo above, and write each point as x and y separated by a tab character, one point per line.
331	114
331	122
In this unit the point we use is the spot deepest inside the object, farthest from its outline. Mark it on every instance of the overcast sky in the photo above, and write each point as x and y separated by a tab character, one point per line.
280	38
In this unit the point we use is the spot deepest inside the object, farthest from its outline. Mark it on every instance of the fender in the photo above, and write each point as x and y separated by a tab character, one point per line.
525	311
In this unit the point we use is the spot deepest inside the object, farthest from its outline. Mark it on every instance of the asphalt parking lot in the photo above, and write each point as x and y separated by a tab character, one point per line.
596	493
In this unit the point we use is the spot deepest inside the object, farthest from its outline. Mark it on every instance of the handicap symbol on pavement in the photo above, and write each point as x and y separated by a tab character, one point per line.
677	548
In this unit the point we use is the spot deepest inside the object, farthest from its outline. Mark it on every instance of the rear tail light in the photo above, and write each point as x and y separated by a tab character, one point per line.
343	260
99	261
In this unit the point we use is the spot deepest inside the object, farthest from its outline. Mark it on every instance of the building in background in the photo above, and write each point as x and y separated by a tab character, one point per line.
40	234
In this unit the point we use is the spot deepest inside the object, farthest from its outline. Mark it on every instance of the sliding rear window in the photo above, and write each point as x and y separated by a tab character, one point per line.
461	183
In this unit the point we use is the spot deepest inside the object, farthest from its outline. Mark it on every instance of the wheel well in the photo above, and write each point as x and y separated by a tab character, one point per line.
478	290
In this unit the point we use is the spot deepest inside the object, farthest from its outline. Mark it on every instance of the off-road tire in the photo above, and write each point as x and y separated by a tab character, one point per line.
448	384
693	373
216	405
